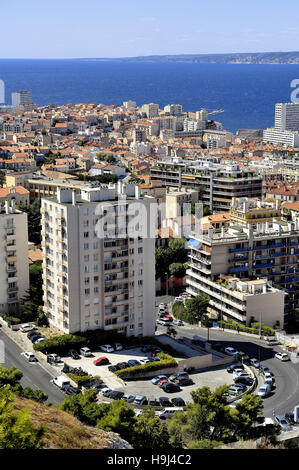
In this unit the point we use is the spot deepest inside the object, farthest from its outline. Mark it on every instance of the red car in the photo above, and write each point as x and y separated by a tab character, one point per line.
101	361
164	381
167	317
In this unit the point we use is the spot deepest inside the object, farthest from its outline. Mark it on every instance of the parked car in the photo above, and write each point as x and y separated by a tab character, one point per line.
39	340
162	382
97	386
164	401
101	361
264	391
270	382
144	360
183	381
107	348
129	398
118	346
61	381
290	417
169	412
162	305
231	351
140	400
282	356
178	401
53	358
86	352
241	386
170	387
243	380
32	333
168	317
282	422
178	375
163	322
70	390
122	365
133	362
29	356
153	402
35	337
233	390
264	369
73	353
179	299
255	363
272	342
242	373
242	356
105	392
178	322
157	379
232	367
27	327
116	395
112	368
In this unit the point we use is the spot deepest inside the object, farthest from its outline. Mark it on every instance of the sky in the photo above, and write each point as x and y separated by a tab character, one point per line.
126	28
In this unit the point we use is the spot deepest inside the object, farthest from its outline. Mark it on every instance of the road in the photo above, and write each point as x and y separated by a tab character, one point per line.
34	375
286	394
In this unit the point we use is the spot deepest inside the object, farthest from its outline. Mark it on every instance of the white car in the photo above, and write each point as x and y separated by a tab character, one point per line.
255	363
27	327
105	391
240	373
39	340
107	348
282	356
129	398
264	391
179	299
231	351
178	322
29	356
144	361
118	346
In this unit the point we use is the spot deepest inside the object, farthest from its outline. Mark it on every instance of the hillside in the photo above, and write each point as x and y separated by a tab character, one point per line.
63	431
231	58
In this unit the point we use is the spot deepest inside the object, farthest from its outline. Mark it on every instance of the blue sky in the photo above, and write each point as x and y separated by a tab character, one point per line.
97	28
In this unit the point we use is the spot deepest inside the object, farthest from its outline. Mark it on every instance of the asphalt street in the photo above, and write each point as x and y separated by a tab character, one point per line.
34	375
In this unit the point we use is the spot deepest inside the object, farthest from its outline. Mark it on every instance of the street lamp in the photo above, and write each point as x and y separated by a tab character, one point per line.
166	283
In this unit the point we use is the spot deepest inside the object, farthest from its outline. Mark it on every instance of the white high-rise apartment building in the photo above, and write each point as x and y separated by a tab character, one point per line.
14	265
173	109
21	98
286	130
287	116
151	110
92	282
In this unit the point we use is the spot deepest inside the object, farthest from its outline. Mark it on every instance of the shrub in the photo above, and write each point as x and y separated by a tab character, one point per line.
165	362
60	344
10	319
79	379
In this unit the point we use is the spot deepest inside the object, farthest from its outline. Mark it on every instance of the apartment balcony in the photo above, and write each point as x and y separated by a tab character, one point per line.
267	247
238	269
11	269
11	259
238	250
264	265
199	258
10	290
238	259
10	237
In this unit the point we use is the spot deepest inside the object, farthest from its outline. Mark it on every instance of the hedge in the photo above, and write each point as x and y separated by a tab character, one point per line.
60	344
255	330
80	379
10	319
165	362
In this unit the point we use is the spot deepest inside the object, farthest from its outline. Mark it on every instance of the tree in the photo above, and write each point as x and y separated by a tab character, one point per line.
16	429
85	408
34	220
120	419
10	376
2	178
149	432
196	307
177	270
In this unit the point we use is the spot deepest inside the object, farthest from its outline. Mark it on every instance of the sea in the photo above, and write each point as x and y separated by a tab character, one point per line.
246	92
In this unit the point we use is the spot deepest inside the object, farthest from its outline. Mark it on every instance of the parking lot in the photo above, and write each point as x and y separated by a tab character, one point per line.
211	378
